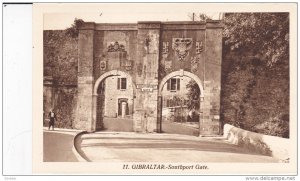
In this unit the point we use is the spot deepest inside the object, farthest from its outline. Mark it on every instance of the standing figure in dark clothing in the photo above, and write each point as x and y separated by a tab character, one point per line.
52	117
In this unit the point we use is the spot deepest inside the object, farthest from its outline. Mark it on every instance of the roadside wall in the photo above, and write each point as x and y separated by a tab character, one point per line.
268	145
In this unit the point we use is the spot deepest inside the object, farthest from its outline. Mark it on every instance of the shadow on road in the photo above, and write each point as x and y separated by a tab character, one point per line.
58	147
165	144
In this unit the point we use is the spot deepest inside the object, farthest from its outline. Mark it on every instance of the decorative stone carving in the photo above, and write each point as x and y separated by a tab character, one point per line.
165	48
199	47
194	64
182	46
116	47
139	69
102	65
128	65
168	65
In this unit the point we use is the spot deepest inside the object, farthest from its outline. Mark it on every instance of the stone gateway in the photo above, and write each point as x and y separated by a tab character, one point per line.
137	60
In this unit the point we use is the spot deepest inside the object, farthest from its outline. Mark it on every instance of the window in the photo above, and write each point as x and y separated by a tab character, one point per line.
173	84
122	84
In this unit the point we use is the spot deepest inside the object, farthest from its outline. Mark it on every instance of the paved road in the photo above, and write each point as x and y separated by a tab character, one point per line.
58	146
135	147
176	128
118	124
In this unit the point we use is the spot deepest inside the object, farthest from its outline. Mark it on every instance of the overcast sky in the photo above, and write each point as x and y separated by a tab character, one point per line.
128	13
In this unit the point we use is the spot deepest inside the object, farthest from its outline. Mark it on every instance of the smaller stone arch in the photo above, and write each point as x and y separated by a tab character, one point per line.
112	73
95	88
181	73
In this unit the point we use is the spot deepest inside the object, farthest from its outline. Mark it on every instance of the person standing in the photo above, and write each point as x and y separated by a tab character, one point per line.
52	117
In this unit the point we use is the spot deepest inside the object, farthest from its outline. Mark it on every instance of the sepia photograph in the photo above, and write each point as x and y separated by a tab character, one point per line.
170	88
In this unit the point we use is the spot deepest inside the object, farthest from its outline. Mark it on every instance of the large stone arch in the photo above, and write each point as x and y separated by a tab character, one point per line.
95	88
181	73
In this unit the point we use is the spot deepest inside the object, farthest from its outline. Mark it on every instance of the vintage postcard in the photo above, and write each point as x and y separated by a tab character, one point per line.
165	88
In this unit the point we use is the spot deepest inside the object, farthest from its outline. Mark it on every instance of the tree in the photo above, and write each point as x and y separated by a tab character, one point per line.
73	30
193	95
264	35
199	17
255	72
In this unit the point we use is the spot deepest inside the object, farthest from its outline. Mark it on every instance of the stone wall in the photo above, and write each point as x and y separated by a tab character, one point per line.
148	41
112	95
60	77
203	59
116	49
264	144
255	96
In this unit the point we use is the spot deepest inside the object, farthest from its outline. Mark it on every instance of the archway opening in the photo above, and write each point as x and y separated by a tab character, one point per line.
180	96
114	108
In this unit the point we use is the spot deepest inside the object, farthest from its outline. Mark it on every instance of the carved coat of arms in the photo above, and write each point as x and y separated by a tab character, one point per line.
194	64
182	46
168	65
165	49
115	47
199	47
128	65
102	65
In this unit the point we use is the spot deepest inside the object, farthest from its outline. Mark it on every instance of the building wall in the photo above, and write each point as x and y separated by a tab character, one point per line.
115	59
112	94
182	92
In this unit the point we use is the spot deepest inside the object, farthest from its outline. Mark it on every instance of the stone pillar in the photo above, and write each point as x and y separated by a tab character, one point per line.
159	113
94	112
84	118
212	80
145	116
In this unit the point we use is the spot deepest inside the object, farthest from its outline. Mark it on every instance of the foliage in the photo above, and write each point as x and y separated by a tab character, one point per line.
60	56
265	35
199	17
65	113
193	95
60	62
255	72
73	30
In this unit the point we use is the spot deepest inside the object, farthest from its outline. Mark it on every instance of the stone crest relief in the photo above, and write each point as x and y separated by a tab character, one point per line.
116	47
102	65
199	47
168	65
128	65
165	48
165	53
181	46
194	64
139	69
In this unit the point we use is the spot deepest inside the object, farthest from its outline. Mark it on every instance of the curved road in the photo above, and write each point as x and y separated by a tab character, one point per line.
58	145
138	147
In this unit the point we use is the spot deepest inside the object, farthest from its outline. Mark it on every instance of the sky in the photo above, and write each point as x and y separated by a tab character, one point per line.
122	13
